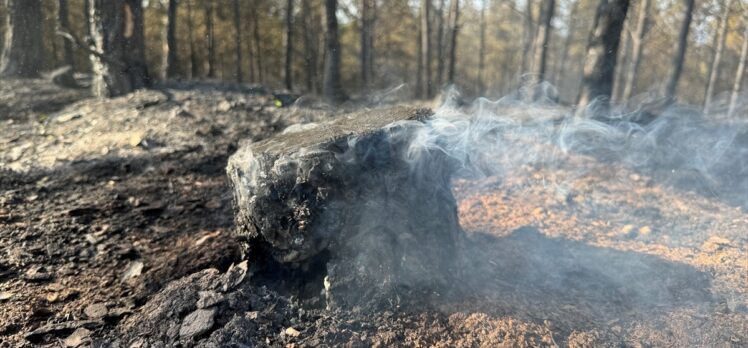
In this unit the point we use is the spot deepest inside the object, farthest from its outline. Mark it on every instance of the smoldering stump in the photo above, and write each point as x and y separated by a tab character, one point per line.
345	199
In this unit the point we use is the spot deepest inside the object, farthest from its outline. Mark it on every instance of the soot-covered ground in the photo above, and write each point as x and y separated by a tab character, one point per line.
116	230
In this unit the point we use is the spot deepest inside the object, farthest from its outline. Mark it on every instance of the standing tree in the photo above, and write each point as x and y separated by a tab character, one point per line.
739	74
426	83
542	37
332	87
169	64
717	59
287	71
210	39
561	65
238	41
23	47
602	51
367	42
482	49
64	22
527	36
118	59
309	22
257	41
637	48
671	85
440	43
190	30
454	24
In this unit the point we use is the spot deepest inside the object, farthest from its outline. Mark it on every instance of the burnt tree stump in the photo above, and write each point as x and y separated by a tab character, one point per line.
350	196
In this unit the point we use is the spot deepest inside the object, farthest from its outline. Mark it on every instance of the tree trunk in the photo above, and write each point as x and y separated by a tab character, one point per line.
714	70
440	44
238	41
642	26
542	37
527	36
23	46
287	71
602	52
190	37
62	17
310	46
622	64
210	38
482	49
671	86
258	42
427	83
367	43
332	88
455	27
169	63
117	29
561	65
739	75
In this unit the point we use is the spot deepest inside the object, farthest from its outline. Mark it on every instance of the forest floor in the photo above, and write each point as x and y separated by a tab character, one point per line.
116	230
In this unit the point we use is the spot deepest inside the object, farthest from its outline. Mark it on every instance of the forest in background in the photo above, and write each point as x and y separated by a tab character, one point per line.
385	44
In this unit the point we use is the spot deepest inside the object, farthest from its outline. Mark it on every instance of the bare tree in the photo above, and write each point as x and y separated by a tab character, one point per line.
542	38
190	38
367	42
637	48
169	67
602	52
118	55
258	42
671	85
332	87
23	48
310	45
717	59
287	71
570	27
739	74
425	61
440	43
622	63
238	41
527	36
454	27
210	38
64	21
482	48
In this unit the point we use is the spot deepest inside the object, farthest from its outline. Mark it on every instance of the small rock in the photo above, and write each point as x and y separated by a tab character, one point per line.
6	295
36	336
645	230
37	274
209	298
77	338
96	310
197	323
135	269
292	332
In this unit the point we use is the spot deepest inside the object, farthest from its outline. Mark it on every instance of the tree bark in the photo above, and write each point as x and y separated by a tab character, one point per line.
332	87
671	86
622	63
119	63
23	48
455	27
258	42
714	70
210	39
602	53
739	75
238	41
637	48
542	38
482	49
287	71
190	37
367	43
169	67
427	83
64	20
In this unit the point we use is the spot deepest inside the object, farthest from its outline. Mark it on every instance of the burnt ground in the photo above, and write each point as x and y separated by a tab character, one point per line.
116	221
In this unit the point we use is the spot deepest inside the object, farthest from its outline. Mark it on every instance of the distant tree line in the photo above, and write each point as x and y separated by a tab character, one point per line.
591	50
